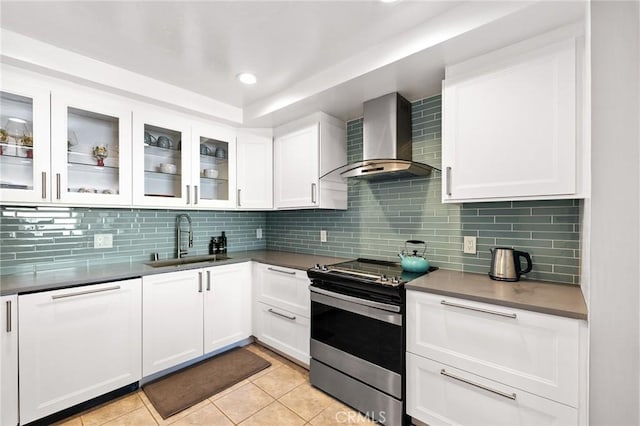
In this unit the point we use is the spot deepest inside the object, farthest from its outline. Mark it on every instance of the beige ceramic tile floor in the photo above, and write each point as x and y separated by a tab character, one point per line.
277	396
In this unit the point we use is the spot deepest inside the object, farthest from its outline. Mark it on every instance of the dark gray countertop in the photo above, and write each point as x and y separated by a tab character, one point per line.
84	275
556	299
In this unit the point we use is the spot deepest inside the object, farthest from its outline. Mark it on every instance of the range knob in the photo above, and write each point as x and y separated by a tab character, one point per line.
384	278
324	268
317	266
395	280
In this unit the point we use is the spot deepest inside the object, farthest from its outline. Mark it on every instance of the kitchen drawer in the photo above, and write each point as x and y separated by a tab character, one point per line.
535	352
284	288
440	395
283	330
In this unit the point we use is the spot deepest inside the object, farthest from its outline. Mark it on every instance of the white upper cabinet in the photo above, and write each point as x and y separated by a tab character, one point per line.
511	124
255	169
91	149
304	151
24	139
213	167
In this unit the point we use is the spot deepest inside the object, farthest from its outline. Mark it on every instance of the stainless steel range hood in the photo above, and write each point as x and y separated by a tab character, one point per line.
386	145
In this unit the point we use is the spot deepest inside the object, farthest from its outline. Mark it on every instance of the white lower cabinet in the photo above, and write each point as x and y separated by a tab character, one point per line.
282	308
9	361
466	360
441	395
189	313
76	344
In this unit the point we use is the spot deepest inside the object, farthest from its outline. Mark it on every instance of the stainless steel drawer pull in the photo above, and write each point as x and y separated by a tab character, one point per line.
199	282
44	185
469	382
58	186
282	315
8	316
281	271
473	308
80	293
448	181
208	280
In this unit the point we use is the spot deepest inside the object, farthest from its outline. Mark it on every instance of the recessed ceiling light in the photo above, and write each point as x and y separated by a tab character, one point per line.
247	78
388	1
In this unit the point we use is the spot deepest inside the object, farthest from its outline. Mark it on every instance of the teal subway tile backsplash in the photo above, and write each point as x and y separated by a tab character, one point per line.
36	238
382	215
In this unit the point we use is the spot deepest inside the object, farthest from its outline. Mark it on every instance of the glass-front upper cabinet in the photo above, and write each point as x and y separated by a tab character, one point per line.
161	160
24	140
91	154
213	166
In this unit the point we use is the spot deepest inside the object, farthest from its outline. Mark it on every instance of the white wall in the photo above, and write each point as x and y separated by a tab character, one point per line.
614	304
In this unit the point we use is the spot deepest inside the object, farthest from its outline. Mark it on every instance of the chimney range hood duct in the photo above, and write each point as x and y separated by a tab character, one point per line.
386	145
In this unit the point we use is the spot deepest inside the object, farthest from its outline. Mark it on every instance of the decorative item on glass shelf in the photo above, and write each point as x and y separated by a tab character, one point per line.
4	137
100	152
221	153
18	133
72	140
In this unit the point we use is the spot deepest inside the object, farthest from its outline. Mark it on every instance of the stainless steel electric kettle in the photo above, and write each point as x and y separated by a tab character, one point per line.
505	264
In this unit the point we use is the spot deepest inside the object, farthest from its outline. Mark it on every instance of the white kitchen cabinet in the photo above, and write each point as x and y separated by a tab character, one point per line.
537	356
76	344
91	149
304	151
172	319
511	128
438	394
255	169
281	310
25	173
213	167
227	305
9	361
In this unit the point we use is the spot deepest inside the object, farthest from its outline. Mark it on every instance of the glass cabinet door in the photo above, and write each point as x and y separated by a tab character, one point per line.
214	166
161	160
91	149
24	141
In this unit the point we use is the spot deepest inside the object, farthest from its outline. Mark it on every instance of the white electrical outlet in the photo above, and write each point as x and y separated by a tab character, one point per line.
259	233
470	245
102	241
323	236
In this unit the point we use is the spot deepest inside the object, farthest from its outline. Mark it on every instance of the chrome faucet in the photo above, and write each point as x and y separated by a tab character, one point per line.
183	251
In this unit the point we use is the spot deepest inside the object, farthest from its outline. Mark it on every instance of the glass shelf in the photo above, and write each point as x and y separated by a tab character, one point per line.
161	152
162	174
16	160
218	181
94	167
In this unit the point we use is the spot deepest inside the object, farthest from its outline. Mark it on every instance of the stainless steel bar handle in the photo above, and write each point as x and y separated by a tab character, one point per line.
511	396
58	186
8	316
282	315
239	203
80	293
448	180
199	282
188	194
195	195
281	271
44	185
473	308
208	280
313	193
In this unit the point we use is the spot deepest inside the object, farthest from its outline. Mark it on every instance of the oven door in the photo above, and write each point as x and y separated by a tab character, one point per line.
367	330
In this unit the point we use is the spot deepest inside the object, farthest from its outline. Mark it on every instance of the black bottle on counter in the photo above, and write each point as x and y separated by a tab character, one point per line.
211	246
223	239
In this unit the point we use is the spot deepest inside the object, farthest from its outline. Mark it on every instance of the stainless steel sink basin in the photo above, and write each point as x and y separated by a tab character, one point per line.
187	260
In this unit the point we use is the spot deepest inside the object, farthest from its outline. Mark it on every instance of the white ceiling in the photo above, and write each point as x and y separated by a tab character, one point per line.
328	55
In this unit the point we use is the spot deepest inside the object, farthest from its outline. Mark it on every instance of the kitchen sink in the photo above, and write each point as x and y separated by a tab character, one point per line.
187	260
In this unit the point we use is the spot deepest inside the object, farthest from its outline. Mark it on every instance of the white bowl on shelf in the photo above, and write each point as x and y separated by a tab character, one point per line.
168	168
210	173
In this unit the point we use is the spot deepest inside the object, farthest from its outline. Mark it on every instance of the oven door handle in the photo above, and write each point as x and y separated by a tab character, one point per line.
373	304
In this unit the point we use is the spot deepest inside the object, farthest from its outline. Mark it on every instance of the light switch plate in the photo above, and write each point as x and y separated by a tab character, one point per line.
323	236
470	245
259	233
102	241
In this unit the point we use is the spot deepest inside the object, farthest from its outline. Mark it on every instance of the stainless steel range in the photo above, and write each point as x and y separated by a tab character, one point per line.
357	336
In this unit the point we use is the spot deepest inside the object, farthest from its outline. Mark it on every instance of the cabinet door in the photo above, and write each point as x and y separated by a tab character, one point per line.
213	166
9	360
255	169
283	330
161	159
171	319
296	168
509	130
440	395
91	149
524	349
24	140
227	305
283	287
76	344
